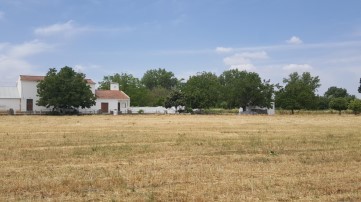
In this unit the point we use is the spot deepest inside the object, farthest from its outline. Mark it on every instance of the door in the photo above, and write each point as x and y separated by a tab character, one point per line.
104	106
29	104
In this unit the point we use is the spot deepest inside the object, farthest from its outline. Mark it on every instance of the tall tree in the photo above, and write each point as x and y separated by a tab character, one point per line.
159	78
359	88
334	92
242	89
64	89
202	90
299	92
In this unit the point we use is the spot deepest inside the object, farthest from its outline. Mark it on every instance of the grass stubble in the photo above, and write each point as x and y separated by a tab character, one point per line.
180	158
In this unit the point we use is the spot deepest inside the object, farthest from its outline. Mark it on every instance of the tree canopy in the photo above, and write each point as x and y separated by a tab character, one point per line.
159	78
242	88
175	99
298	92
338	103
65	89
202	90
334	92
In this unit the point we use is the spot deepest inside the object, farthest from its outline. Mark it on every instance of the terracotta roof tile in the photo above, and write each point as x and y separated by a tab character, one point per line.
39	78
111	94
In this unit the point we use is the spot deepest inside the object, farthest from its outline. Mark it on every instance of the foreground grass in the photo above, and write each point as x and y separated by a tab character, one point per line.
180	158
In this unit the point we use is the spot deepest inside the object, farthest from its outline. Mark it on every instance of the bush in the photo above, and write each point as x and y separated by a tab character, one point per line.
338	104
355	106
141	111
11	111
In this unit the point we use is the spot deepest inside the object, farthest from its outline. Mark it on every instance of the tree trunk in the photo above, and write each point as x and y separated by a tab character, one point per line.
339	112
292	112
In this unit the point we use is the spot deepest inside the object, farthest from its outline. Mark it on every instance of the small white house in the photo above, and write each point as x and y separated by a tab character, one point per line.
112	100
23	97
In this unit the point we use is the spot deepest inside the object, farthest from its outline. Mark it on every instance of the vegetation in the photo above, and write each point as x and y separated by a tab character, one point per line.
232	89
159	78
180	158
202	90
175	99
242	89
65	90
299	92
355	106
339	104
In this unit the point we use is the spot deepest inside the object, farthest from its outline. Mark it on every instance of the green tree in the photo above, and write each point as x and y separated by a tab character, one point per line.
322	102
359	88
159	78
202	90
355	106
242	88
64	89
339	104
175	99
334	92
299	92
157	96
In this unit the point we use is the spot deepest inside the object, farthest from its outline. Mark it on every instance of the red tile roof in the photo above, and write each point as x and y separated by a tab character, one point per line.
111	94
39	78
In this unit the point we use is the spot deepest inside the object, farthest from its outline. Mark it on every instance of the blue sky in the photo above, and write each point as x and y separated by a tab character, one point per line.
101	37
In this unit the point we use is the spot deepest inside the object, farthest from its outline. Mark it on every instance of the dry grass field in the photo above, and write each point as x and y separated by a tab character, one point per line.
180	158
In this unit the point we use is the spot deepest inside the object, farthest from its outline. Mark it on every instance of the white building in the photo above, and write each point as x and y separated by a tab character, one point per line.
23	97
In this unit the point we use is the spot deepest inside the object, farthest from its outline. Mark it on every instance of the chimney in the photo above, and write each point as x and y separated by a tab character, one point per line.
114	86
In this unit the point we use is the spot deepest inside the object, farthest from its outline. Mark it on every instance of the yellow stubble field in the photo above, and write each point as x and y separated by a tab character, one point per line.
180	158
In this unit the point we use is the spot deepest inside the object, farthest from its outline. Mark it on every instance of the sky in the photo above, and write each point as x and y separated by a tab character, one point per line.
101	37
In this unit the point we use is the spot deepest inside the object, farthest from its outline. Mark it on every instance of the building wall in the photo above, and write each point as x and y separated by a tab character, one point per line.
10	103
112	104
29	91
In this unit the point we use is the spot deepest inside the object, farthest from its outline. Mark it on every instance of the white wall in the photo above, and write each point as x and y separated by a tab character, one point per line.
10	103
29	91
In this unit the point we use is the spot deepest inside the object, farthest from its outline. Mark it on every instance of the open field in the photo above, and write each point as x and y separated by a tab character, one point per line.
180	158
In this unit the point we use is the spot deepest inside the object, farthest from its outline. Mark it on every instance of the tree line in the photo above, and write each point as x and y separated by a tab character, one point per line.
231	89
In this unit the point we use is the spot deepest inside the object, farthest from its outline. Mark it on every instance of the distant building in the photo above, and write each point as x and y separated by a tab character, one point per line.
23	97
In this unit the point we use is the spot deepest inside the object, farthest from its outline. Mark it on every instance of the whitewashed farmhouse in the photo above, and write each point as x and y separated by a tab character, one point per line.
23	97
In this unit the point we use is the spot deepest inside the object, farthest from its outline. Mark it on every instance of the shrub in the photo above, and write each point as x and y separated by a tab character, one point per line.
355	106
11	111
338	104
141	111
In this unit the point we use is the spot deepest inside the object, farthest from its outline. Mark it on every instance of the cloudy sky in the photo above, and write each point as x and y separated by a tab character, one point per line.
101	37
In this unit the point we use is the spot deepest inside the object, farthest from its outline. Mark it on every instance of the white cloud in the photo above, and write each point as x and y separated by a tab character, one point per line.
223	50
243	61
12	58
27	49
65	29
294	40
297	67
70	28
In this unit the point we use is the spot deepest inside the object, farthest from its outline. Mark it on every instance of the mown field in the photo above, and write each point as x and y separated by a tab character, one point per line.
180	158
